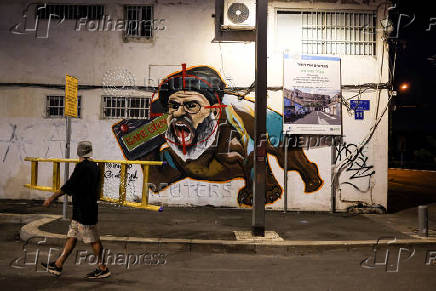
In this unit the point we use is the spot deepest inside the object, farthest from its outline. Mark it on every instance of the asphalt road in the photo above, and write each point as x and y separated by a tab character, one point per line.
310	270
327	270
318	117
410	188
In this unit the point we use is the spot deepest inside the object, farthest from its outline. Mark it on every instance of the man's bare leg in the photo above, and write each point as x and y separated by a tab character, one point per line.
97	247
69	246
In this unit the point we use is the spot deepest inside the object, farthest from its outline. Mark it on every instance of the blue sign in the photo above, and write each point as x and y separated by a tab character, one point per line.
359	114
359	104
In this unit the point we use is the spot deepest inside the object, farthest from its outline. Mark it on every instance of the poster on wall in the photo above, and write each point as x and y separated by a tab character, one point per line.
311	94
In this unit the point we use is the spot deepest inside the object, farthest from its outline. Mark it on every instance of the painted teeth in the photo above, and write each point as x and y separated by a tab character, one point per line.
186	138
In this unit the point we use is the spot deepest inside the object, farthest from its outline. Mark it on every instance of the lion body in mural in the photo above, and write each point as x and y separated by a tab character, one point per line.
232	155
210	137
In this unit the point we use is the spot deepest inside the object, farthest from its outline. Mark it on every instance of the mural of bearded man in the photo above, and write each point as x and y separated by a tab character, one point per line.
209	136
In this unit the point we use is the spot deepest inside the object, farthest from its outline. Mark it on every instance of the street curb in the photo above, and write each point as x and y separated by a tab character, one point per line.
18	218
31	230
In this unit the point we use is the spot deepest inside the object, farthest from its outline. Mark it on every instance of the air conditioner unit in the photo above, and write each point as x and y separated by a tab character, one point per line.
239	15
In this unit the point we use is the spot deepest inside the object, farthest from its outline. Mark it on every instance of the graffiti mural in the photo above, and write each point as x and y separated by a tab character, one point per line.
355	163
203	132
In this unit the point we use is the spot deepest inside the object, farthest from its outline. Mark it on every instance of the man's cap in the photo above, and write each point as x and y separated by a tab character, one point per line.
201	79
84	149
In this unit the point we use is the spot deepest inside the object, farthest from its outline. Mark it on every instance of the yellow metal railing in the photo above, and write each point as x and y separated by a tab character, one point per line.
101	164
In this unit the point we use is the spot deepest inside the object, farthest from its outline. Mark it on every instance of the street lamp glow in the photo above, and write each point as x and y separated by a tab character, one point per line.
404	87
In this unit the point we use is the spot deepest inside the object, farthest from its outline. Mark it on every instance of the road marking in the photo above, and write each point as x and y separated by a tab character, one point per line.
322	121
326	115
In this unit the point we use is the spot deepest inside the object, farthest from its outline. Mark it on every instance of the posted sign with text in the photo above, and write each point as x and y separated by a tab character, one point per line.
71	96
312	95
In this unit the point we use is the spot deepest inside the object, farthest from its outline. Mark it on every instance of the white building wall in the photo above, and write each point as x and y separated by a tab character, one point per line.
188	38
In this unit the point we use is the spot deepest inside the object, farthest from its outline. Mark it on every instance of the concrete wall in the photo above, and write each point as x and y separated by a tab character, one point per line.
188	38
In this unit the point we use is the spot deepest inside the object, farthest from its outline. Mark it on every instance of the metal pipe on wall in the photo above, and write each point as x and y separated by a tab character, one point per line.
67	165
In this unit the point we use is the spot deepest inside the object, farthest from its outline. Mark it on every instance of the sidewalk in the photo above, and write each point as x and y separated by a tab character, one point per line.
213	229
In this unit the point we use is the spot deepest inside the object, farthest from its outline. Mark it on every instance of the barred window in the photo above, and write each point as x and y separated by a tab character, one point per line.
126	107
346	33
56	105
139	21
70	11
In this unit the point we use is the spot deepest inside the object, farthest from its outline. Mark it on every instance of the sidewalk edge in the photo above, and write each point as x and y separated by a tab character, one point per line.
32	230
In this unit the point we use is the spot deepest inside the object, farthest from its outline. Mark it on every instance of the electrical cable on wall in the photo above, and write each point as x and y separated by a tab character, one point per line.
344	164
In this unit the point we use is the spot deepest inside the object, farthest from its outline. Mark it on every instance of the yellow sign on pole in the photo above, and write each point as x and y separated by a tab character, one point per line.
71	96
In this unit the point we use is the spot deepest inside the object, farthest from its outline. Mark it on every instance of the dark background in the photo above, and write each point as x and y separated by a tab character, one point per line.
412	134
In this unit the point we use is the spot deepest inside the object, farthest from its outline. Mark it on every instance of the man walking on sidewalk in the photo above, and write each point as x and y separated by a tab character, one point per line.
83	186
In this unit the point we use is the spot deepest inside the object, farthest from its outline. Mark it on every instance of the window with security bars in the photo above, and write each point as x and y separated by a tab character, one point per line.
126	107
56	105
70	11
339	33
139	21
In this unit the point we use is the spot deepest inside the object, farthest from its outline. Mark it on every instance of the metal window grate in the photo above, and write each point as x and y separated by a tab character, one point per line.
55	106
126	107
339	33
70	11
139	21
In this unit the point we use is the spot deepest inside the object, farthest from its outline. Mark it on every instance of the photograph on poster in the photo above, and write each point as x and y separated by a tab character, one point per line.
312	93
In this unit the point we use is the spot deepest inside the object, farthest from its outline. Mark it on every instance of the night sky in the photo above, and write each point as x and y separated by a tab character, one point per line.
412	139
416	64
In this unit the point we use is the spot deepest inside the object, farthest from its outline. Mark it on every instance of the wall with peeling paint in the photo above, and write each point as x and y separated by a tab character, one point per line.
188	38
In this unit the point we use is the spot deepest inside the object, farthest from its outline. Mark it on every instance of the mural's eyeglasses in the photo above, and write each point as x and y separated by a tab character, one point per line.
192	107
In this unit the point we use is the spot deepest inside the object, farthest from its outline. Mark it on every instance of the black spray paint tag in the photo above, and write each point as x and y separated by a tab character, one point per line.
138	137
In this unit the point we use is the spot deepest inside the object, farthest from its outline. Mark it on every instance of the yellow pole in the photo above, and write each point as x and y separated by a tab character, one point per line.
123	183
56	176
145	171
34	174
101	167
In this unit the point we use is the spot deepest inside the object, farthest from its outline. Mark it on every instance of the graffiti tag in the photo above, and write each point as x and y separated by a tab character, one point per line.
356	161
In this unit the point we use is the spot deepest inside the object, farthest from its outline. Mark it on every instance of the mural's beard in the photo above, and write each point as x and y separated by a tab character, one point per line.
182	131
183	136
